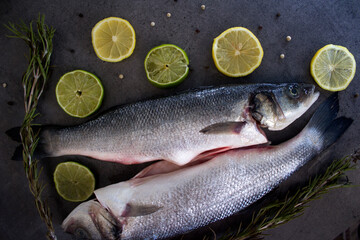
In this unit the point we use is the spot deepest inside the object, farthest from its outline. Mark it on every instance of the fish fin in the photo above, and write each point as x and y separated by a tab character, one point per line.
323	121
335	130
158	168
14	134
325	113
268	143
18	153
135	182
210	154
39	153
139	210
224	128
164	166
40	150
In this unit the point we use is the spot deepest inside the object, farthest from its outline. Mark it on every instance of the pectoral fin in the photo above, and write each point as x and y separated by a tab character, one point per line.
224	128
157	168
139	210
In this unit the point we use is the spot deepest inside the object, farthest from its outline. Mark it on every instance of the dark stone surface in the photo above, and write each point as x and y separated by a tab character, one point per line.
311	24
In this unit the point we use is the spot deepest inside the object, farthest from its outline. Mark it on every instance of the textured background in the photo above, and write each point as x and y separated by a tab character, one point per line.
311	24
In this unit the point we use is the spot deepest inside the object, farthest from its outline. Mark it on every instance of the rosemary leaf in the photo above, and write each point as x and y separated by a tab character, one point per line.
34	79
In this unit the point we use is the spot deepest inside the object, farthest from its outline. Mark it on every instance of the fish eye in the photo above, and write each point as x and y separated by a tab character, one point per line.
294	91
82	234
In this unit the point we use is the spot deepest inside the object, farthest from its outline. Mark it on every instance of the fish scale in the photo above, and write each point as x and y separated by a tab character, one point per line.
170	128
172	203
228	186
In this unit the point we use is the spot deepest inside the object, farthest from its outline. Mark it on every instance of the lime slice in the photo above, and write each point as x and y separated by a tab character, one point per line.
237	52
79	93
73	181
166	65
113	39
333	67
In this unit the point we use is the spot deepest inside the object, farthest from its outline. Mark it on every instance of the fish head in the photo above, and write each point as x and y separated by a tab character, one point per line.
279	107
90	220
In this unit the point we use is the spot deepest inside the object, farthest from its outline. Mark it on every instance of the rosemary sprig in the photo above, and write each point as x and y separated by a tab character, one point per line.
39	40
293	206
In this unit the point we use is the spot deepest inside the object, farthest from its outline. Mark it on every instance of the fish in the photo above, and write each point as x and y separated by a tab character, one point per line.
169	204
183	127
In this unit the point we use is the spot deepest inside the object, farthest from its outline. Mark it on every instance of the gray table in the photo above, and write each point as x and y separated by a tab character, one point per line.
311	24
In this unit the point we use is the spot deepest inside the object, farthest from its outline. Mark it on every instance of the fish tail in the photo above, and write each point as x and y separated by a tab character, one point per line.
14	134
335	130
323	126
41	150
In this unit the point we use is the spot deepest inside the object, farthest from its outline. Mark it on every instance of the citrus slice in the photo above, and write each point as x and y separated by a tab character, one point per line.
333	67
74	182
237	52
113	39
79	93
166	65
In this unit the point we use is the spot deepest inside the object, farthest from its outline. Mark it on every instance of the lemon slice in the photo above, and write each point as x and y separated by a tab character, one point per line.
113	39
166	65
79	93
333	67
73	181
237	52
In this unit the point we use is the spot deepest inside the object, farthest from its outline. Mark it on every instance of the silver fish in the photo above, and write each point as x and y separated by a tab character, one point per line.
168	204
180	127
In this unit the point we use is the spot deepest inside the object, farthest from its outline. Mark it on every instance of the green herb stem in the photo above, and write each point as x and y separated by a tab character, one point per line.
33	82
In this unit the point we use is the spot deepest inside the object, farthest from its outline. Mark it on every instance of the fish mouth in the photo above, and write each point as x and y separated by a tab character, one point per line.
309	89
312	100
310	94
